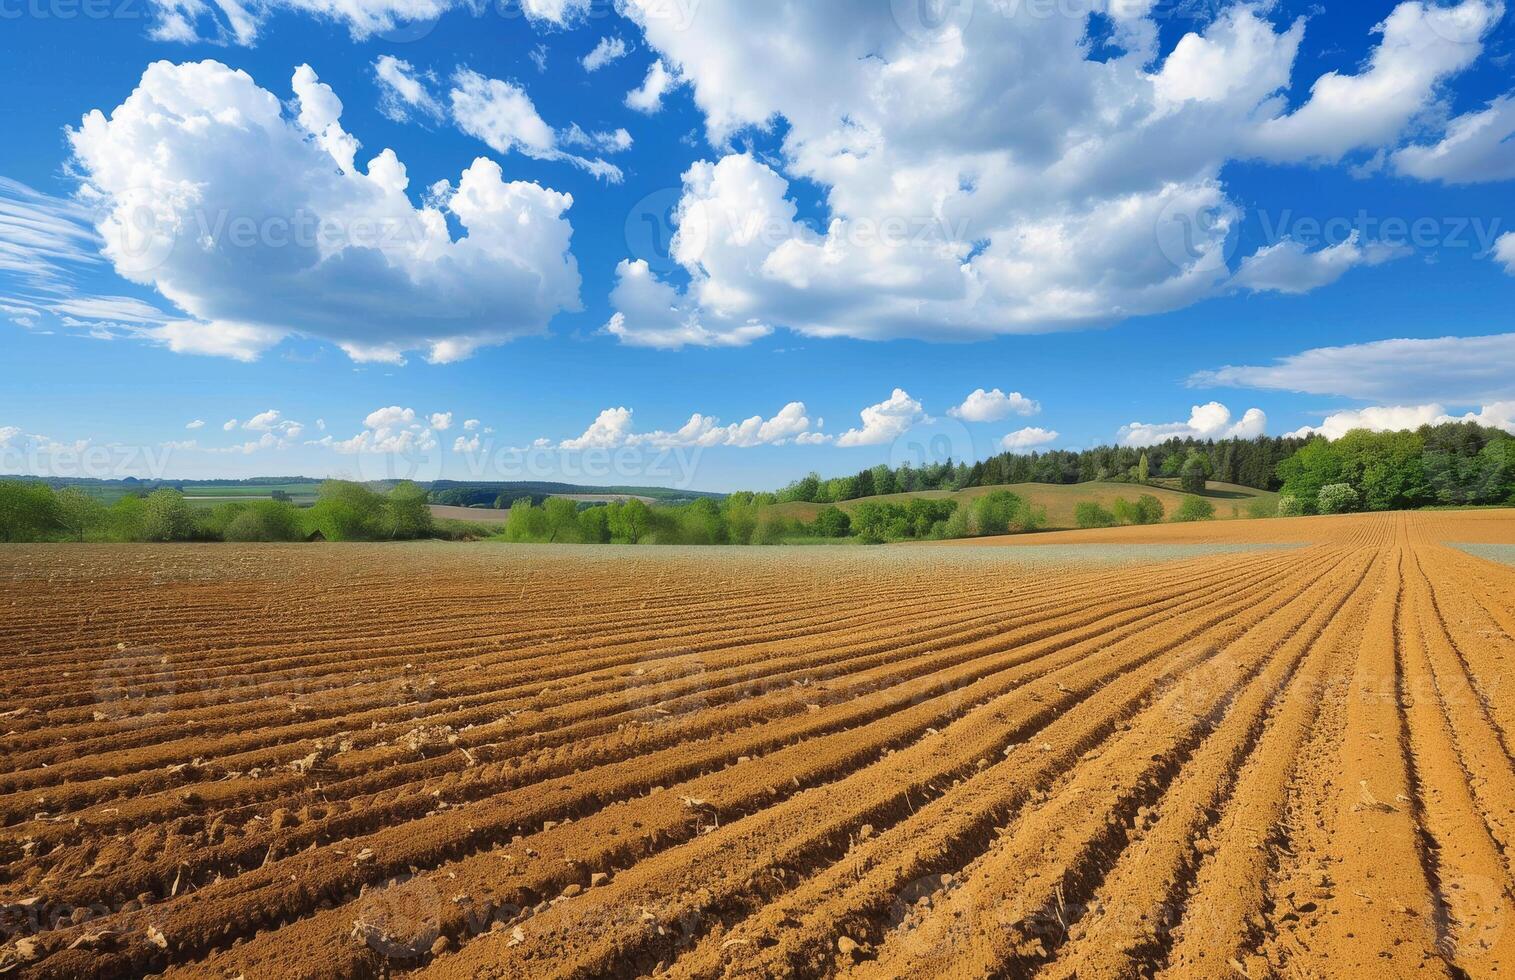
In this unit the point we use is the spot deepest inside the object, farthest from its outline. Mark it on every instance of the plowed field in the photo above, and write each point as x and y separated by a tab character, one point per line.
474	761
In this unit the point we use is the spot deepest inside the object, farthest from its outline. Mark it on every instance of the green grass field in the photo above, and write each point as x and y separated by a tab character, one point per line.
1061	500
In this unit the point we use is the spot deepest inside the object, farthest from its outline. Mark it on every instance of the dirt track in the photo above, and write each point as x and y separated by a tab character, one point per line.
490	762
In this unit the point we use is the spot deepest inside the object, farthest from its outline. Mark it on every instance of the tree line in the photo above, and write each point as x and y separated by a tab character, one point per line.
343	511
1452	464
1245	462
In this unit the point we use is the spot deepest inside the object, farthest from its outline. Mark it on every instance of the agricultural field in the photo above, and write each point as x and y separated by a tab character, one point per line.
1061	500
1234	749
303	494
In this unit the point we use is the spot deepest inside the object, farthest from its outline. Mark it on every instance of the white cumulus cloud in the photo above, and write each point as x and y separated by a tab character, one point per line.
1028	438
1288	267
791	424
982	173
257	225
502	115
610	429
1504	251
609	49
403	91
1209	421
1477	148
648	97
1420	45
992	406
884	422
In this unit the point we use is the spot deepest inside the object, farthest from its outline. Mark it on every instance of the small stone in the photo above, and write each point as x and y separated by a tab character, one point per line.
598	878
442	945
573	890
847	946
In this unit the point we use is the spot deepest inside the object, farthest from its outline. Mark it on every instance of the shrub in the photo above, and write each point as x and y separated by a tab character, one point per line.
166	516
1336	498
833	522
346	512
771	530
265	520
1194	509
79	512
1194	472
1090	514
1261	507
1290	506
1000	512
594	525
28	511
1147	509
406	513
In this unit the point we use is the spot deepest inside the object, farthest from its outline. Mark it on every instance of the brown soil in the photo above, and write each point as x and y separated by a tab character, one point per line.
493	762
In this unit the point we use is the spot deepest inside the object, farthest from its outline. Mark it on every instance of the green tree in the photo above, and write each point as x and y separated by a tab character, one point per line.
28	511
562	517
1496	472
998	513
527	523
1194	509
79	512
166	516
407	514
1143	469
1336	498
1195	472
1090	513
1315	465
1387	469
346	511
630	522
594	525
265	520
833	522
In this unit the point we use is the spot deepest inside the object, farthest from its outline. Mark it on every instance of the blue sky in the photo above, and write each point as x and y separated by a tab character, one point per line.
881	213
